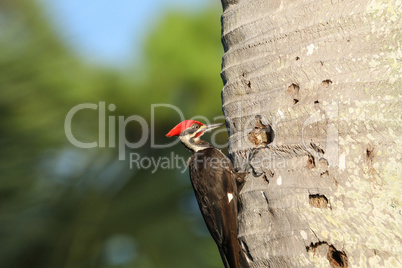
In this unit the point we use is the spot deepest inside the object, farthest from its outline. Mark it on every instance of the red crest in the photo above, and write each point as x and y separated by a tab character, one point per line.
182	126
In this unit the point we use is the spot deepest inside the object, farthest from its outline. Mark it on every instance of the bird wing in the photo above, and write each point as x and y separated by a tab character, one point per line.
214	183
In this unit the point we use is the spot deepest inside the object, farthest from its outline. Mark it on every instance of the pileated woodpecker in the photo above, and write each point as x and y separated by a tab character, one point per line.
214	182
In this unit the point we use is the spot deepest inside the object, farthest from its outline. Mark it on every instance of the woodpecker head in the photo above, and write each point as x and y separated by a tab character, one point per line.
190	131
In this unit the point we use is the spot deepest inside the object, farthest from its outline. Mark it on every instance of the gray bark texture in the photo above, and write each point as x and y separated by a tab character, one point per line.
312	97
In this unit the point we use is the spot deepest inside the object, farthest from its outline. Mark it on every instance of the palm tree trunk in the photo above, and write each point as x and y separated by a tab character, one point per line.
312	97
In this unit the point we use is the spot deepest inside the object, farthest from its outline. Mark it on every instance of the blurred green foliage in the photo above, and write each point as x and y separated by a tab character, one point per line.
63	206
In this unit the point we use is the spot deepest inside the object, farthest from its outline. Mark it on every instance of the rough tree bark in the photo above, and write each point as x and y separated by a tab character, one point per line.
312	97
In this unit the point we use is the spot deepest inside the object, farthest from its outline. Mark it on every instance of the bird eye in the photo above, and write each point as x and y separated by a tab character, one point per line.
196	126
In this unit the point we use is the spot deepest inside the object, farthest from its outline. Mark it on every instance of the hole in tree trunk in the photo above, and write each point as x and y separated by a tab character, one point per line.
293	89
318	201
370	152
245	80
326	82
337	258
262	134
310	162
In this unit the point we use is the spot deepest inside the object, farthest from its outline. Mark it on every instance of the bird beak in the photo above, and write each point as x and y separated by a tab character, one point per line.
209	127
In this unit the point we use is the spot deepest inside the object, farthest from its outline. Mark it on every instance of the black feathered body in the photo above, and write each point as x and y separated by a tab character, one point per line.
214	181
